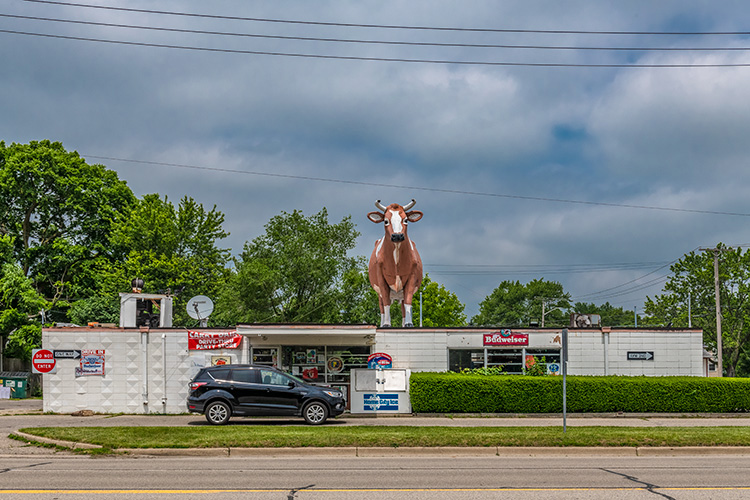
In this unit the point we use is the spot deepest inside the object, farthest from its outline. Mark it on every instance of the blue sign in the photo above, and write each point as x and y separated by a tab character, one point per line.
380	402
553	368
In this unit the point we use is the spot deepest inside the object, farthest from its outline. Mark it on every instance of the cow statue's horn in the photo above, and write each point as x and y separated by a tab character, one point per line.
410	204
380	206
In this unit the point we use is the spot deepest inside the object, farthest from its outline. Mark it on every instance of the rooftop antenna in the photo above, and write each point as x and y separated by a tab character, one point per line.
200	307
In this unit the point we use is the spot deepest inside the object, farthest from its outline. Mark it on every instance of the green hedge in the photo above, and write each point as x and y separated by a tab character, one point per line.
456	393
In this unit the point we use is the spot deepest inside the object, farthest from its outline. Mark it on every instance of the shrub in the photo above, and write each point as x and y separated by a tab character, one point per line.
460	393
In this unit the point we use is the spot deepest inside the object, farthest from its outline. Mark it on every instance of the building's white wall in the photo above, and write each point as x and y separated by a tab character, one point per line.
585	353
675	353
121	388
418	350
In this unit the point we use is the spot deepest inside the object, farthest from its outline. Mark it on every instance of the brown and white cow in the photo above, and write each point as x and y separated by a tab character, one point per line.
395	266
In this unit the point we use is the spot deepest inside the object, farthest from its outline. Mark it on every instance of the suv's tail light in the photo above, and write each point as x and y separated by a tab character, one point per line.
194	385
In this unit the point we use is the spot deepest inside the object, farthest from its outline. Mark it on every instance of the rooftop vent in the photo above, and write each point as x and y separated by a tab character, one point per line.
145	309
585	320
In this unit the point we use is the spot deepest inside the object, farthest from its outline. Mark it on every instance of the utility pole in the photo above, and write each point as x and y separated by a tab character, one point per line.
717	291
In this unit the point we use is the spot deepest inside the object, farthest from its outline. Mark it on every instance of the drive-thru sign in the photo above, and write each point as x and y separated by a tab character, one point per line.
43	361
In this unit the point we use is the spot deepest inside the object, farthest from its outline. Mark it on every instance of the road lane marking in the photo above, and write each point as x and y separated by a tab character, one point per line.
350	490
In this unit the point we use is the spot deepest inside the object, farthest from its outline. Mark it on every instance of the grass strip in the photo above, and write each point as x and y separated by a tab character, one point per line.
397	436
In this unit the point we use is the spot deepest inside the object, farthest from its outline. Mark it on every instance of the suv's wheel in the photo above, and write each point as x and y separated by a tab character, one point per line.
218	413
315	413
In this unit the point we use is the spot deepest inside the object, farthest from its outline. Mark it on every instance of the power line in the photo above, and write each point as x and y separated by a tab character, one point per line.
418	188
490	270
386	26
379	59
376	42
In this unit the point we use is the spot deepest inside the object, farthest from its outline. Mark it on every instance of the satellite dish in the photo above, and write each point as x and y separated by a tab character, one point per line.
200	307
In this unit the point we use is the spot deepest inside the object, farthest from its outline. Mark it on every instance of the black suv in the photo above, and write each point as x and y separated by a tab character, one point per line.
220	392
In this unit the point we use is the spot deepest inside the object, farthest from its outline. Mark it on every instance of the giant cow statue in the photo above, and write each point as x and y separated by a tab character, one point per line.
395	266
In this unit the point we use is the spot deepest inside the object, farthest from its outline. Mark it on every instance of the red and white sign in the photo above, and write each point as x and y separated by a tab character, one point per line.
201	341
92	362
43	361
506	337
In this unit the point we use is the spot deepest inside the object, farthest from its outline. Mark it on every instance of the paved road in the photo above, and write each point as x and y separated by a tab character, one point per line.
304	478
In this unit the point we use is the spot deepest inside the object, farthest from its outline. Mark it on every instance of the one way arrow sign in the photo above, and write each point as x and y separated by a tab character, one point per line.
67	353
640	355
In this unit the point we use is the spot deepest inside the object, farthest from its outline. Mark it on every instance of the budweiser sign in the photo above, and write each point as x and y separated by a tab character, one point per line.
199	341
506	337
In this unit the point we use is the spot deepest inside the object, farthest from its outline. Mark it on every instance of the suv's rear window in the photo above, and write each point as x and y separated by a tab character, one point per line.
222	374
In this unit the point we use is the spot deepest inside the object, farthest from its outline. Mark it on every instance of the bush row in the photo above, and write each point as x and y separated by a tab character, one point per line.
458	393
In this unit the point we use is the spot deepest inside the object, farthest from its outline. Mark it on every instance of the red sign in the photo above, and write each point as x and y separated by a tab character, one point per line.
200	341
43	361
506	337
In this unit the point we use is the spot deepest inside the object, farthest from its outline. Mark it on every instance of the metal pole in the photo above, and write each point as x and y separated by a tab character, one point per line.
635	313
719	354
544	303
420	309
565	377
690	316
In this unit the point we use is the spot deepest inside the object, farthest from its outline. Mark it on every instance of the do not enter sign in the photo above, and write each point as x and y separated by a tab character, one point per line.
43	361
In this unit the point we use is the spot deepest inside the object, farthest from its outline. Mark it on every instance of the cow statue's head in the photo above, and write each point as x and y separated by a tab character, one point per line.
395	218
395	268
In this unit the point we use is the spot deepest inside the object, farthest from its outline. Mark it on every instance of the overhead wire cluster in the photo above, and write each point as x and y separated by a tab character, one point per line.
332	46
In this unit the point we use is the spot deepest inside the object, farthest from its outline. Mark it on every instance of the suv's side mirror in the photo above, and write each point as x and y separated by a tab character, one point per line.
292	384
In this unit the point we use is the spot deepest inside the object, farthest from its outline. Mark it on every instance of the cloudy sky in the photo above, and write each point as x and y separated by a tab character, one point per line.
590	165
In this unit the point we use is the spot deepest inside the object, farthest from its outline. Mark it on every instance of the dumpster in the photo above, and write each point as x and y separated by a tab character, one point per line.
16	382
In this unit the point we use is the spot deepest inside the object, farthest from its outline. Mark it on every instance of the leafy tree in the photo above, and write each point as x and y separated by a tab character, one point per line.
611	315
515	304
170	248
20	312
440	306
693	279
101	309
294	273
59	211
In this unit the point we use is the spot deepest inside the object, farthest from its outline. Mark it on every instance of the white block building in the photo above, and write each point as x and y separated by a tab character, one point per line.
146	370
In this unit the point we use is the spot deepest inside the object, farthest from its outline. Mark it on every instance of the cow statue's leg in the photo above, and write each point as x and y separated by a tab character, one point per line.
385	315
406	314
384	303
410	289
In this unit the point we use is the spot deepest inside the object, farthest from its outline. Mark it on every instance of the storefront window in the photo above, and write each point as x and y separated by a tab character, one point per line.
512	361
323	364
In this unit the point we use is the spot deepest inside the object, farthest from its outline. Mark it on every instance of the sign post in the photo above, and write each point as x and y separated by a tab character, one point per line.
565	376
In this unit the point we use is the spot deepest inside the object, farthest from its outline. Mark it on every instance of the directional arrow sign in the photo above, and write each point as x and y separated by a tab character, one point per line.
67	354
640	355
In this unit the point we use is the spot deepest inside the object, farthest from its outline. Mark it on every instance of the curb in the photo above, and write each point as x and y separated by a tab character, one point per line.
441	452
74	445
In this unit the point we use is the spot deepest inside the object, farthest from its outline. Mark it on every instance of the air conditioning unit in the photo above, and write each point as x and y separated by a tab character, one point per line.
145	309
585	320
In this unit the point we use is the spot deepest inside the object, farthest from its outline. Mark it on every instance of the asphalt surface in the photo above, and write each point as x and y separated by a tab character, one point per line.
17	414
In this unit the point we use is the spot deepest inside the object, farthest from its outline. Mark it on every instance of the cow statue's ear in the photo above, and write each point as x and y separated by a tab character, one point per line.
414	215
376	217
